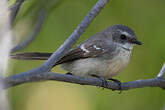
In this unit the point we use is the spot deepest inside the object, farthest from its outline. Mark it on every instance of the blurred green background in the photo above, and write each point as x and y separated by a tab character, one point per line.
145	17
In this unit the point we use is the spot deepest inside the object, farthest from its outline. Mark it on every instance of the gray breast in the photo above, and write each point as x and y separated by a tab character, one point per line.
118	63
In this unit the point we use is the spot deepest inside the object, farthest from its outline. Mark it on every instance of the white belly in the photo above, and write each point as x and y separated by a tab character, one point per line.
98	66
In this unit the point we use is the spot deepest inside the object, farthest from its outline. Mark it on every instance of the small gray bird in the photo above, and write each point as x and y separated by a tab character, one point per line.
103	55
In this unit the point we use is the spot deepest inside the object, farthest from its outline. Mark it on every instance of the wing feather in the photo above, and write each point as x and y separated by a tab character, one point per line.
79	53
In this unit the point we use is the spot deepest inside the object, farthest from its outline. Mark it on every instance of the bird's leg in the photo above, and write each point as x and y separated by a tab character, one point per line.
69	73
104	82
118	82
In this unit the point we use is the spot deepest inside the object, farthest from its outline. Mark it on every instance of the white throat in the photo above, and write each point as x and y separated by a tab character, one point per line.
127	46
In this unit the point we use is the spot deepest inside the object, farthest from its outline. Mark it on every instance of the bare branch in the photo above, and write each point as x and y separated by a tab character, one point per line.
26	78
32	36
14	9
162	72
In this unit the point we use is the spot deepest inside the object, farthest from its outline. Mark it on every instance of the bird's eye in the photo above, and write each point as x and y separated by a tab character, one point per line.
123	37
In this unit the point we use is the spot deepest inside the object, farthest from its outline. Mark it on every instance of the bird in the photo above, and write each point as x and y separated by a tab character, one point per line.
104	55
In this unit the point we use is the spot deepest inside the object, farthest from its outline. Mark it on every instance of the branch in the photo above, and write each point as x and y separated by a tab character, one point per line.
162	72
26	78
14	9
32	36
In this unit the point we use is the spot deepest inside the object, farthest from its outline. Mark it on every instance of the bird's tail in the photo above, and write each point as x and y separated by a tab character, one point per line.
31	56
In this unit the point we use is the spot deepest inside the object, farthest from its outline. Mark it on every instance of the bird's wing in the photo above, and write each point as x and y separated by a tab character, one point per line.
85	50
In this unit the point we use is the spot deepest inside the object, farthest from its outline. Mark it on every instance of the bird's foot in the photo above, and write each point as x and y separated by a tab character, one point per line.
117	82
104	82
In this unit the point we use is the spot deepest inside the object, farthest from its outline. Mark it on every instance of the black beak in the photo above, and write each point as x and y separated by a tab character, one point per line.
135	41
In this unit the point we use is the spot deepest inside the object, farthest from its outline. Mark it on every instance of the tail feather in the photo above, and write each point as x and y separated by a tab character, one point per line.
31	56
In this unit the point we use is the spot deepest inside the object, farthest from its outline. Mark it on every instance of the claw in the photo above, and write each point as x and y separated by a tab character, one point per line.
104	82
118	82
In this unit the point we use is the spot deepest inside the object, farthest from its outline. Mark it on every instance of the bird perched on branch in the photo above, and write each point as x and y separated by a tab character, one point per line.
103	55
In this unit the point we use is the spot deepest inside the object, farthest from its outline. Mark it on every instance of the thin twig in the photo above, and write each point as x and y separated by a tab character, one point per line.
162	72
15	9
25	78
32	36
